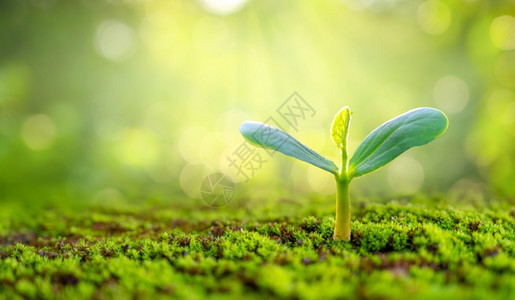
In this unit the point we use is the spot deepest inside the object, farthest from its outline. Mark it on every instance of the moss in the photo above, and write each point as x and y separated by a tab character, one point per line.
396	252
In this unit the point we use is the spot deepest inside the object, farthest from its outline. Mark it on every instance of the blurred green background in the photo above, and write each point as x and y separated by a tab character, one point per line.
130	101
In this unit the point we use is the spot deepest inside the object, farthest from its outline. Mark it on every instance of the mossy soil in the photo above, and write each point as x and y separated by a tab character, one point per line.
397	251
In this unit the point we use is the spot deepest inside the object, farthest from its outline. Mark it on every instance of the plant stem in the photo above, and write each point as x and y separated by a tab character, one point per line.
342	223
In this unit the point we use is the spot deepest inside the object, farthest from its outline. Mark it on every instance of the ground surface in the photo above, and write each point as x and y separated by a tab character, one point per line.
397	251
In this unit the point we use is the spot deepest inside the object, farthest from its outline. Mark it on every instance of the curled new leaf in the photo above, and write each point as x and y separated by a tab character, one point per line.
270	137
340	131
415	128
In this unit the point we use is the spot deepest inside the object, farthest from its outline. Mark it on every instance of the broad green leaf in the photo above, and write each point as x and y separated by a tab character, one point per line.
415	128
340	131
270	137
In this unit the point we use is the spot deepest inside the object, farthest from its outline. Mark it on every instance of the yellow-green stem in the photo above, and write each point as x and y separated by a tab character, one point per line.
342	223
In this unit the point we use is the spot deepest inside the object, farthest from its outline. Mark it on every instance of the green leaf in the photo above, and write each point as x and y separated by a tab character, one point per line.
270	137
340	132
415	128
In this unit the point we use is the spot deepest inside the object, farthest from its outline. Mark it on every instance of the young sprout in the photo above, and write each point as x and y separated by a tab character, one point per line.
414	128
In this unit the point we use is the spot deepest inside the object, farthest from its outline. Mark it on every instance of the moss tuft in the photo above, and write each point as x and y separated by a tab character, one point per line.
395	252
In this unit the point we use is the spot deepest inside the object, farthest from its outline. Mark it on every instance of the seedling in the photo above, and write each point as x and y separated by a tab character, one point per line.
414	128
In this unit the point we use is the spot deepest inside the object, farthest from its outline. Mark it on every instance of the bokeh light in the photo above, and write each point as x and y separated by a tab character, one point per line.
191	178
190	143
142	99
405	175
505	69
115	40
320	181
434	17
223	7
502	32
38	132
137	147
451	94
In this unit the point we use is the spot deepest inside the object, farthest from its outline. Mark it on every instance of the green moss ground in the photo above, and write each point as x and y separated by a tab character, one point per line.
396	252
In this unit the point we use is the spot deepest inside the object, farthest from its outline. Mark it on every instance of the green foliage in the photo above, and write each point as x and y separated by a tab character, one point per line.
414	128
270	137
396	252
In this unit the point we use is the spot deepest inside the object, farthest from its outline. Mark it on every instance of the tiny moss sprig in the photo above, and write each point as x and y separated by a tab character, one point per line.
414	128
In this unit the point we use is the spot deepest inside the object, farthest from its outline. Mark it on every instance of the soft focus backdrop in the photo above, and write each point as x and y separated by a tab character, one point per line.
129	101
